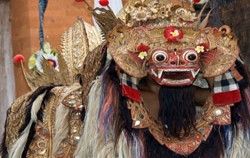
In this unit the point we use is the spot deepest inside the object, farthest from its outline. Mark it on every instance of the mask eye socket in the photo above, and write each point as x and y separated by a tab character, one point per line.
190	56
159	56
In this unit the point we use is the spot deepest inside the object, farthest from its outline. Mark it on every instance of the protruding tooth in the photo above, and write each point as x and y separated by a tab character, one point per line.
197	72
160	73
153	72
194	73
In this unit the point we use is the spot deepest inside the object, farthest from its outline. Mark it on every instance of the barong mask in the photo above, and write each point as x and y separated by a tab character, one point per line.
165	40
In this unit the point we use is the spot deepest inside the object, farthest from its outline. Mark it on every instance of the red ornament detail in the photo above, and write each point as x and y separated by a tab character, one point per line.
18	59
196	1
170	32
205	45
226	98
80	0
142	48
104	2
131	93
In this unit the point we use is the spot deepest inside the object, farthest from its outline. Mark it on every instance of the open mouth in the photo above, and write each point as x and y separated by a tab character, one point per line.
174	77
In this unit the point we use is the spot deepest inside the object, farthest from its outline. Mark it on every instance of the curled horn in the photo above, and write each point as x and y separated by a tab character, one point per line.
204	23
198	21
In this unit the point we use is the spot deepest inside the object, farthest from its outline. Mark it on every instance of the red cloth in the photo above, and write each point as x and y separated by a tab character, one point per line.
131	93
226	98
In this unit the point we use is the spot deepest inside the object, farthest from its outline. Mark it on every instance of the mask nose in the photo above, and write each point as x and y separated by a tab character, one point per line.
176	60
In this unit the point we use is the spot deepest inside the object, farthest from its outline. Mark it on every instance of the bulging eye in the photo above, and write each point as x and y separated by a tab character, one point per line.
159	56
190	56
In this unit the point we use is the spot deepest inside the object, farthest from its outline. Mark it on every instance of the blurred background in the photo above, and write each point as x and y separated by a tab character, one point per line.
19	23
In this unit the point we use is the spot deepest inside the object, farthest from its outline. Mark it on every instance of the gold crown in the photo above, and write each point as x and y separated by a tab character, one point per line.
160	13
155	13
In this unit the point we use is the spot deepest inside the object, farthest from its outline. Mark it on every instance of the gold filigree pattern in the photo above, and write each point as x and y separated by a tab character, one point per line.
75	47
219	115
49	75
83	41
226	52
162	12
41	145
94	36
69	145
74	99
16	118
90	69
76	44
205	118
124	40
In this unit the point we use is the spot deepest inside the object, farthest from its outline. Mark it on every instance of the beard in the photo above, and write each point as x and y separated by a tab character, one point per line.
177	110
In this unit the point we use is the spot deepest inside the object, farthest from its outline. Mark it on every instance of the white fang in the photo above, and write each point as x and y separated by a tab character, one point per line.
153	72
160	73
194	73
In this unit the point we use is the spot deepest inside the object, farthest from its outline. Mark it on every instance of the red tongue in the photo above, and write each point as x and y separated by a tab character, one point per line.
176	75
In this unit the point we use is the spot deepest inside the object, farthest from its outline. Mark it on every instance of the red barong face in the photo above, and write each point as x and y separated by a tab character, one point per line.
174	67
173	63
